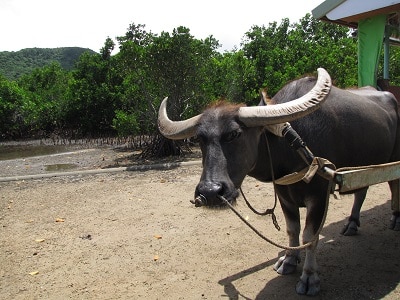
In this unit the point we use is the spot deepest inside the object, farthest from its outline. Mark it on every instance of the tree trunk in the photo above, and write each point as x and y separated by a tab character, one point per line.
162	147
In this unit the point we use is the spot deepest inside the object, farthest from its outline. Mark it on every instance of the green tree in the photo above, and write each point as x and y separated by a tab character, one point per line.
234	78
178	66
137	98
394	66
286	51
121	93
94	92
46	91
266	47
12	98
322	44
125	123
173	65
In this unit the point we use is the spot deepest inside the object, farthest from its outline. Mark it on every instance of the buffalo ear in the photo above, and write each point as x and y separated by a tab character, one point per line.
265	99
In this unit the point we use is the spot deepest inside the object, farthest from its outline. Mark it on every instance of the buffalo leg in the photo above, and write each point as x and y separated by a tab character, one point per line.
309	283
351	227
287	264
395	190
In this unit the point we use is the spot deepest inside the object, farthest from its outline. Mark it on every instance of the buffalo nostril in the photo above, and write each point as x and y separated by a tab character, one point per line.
210	189
200	200
207	193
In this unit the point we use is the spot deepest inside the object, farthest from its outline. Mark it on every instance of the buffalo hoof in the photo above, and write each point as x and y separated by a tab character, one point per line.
350	228
395	223
286	264
309	284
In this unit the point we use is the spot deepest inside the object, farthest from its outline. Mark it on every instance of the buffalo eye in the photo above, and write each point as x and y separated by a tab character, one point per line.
200	138
230	136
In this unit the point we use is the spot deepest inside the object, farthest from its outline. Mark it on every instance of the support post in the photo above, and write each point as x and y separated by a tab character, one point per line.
386	53
370	40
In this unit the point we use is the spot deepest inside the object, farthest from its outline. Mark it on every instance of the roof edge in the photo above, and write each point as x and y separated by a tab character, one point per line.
325	7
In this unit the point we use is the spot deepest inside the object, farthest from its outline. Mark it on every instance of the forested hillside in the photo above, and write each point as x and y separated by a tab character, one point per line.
15	64
119	94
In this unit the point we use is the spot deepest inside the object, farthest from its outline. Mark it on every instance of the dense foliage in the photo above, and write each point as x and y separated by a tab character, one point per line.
105	94
15	64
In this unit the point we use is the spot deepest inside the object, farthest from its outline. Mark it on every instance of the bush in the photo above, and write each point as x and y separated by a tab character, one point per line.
125	123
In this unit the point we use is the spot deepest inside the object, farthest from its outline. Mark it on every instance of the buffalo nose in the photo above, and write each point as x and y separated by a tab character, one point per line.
210	190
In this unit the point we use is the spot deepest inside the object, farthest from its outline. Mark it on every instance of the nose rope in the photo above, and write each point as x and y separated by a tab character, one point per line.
268	211
301	247
258	232
295	141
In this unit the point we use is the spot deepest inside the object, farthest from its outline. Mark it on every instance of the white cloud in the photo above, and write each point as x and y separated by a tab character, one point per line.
87	23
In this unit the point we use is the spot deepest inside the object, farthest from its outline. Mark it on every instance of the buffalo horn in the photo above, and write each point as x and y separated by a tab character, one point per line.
175	130
254	116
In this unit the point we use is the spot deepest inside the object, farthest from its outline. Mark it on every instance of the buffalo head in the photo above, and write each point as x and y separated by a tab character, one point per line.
229	135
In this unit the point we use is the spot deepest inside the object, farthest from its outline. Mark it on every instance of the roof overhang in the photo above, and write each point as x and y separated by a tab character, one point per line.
350	12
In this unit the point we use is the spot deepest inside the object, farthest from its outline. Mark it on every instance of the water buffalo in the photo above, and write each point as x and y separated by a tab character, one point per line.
350	128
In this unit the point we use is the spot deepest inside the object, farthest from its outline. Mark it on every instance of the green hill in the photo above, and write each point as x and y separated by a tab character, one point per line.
15	64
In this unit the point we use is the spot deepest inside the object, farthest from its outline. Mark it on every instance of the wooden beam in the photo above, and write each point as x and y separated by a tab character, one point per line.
355	179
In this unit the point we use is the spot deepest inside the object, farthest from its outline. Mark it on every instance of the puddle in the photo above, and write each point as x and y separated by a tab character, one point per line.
24	151
59	167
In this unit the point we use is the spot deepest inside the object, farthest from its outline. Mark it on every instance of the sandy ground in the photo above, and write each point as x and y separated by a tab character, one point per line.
135	235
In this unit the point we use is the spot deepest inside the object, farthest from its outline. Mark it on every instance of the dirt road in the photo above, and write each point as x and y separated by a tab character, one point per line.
134	235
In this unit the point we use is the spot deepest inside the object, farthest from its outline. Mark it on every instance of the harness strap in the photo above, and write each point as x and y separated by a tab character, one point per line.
317	165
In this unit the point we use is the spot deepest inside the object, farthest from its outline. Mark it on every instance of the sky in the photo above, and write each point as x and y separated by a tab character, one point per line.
87	23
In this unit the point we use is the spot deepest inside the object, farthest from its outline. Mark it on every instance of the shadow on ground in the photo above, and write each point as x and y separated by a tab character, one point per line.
373	261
